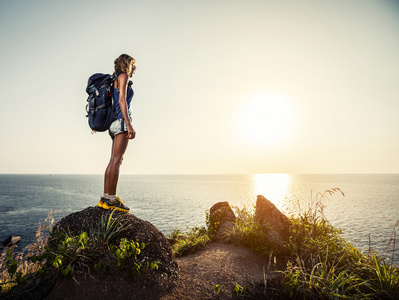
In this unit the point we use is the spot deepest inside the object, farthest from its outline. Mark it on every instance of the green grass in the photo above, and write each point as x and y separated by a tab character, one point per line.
326	266
248	232
190	241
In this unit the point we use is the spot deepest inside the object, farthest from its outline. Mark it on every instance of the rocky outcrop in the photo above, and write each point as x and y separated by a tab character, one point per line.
274	223
272	220
148	285
221	212
163	283
221	219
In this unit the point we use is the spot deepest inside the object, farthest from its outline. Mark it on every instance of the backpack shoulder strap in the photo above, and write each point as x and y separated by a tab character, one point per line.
115	78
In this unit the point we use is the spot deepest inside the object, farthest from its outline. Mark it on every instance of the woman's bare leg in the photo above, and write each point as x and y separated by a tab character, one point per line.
107	171
111	177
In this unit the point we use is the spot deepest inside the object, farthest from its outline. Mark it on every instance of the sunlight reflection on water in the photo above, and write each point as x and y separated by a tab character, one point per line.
273	186
283	190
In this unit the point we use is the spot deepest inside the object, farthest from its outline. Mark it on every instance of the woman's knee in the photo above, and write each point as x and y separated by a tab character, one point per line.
117	160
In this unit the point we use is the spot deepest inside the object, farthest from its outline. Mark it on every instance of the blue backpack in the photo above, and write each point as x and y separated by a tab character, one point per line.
101	107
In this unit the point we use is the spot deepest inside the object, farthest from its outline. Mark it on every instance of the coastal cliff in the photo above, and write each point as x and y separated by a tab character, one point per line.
253	254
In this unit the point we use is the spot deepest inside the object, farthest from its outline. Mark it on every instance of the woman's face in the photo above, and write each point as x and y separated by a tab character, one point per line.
132	67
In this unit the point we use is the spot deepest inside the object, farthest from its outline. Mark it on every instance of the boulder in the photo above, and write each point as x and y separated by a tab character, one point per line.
220	213
221	219
272	220
11	240
119	283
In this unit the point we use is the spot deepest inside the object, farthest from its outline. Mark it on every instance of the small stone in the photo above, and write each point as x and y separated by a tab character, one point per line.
11	240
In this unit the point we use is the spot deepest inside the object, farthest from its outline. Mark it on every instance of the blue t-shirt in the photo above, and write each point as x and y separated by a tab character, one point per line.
129	98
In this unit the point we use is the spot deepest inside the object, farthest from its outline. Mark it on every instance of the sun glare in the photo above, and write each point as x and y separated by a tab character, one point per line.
273	186
266	118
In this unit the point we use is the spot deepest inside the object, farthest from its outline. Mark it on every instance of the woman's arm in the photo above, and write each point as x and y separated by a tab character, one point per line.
122	84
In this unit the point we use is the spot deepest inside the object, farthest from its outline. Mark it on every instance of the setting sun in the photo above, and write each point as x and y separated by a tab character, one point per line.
266	118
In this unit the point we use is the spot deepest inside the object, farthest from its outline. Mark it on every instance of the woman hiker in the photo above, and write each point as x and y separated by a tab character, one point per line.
121	131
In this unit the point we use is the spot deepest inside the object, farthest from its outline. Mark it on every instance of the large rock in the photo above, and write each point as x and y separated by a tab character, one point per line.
272	220
221	220
119	284
220	213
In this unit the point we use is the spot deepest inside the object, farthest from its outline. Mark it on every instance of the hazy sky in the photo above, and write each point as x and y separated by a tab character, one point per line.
221	86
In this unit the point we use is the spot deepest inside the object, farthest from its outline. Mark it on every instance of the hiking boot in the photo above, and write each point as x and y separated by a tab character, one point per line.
117	204
101	203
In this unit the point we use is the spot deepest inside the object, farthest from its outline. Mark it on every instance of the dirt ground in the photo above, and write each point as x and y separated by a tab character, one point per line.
225	265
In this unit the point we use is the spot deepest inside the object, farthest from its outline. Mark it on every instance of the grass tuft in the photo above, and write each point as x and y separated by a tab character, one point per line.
190	241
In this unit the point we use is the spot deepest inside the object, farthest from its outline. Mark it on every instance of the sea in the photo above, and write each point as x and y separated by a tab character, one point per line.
364	206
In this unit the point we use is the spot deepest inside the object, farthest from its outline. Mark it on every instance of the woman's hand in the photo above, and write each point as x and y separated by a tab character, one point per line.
130	132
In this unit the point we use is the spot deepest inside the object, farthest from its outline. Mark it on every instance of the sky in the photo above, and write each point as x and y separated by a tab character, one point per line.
221	86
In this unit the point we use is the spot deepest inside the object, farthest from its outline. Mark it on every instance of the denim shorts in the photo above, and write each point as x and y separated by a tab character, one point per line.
116	128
